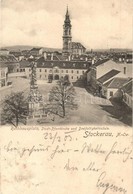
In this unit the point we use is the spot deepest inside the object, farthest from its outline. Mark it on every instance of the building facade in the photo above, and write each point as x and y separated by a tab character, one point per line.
54	70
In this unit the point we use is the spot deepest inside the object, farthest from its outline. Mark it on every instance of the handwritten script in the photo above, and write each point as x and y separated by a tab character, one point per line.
99	157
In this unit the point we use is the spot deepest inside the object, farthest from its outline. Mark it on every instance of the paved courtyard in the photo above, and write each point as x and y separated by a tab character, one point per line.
91	109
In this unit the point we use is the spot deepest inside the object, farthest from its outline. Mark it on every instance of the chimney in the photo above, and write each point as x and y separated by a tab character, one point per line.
93	61
52	56
72	57
69	58
45	55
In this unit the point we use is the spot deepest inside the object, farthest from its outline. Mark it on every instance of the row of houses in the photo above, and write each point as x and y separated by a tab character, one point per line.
103	75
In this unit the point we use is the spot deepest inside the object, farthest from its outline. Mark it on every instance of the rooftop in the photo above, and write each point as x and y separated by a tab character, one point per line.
3	49
116	83
63	64
108	75
100	62
35	49
7	58
3	65
76	45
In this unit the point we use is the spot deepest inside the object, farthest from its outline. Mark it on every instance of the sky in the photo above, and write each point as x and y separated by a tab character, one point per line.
95	23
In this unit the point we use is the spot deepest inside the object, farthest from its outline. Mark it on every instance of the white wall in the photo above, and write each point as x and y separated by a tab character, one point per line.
113	90
42	73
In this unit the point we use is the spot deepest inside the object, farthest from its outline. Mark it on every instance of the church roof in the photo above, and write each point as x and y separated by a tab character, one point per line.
77	45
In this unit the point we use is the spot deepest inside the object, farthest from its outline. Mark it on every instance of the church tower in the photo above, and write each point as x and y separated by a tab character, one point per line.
67	37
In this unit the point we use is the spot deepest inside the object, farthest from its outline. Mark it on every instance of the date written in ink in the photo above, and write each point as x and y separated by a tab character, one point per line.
55	137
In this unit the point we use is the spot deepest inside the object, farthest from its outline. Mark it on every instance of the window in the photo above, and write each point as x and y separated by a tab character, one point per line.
77	72
40	70
40	76
84	65
56	71
83	72
66	71
72	71
45	70
77	77
72	77
111	93
62	71
124	70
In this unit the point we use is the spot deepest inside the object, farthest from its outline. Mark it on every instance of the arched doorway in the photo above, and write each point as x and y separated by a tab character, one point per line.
56	77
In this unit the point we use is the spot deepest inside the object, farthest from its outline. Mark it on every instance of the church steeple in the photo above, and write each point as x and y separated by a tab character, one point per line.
67	21
67	38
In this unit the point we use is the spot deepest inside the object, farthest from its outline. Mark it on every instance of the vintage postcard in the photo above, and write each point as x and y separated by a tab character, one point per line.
66	97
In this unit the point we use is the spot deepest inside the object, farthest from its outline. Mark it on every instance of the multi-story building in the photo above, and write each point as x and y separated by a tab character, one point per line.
55	69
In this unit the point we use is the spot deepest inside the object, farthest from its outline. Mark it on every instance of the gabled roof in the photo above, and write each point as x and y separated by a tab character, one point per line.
8	58
108	75
3	65
116	83
76	45
128	87
35	49
100	62
24	63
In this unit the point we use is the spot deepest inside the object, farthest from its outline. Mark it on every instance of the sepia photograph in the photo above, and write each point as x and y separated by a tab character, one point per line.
66	97
66	64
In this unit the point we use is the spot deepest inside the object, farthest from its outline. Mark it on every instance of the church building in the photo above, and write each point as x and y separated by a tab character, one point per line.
69	47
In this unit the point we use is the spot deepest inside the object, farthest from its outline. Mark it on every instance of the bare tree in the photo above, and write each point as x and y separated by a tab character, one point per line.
14	109
62	96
